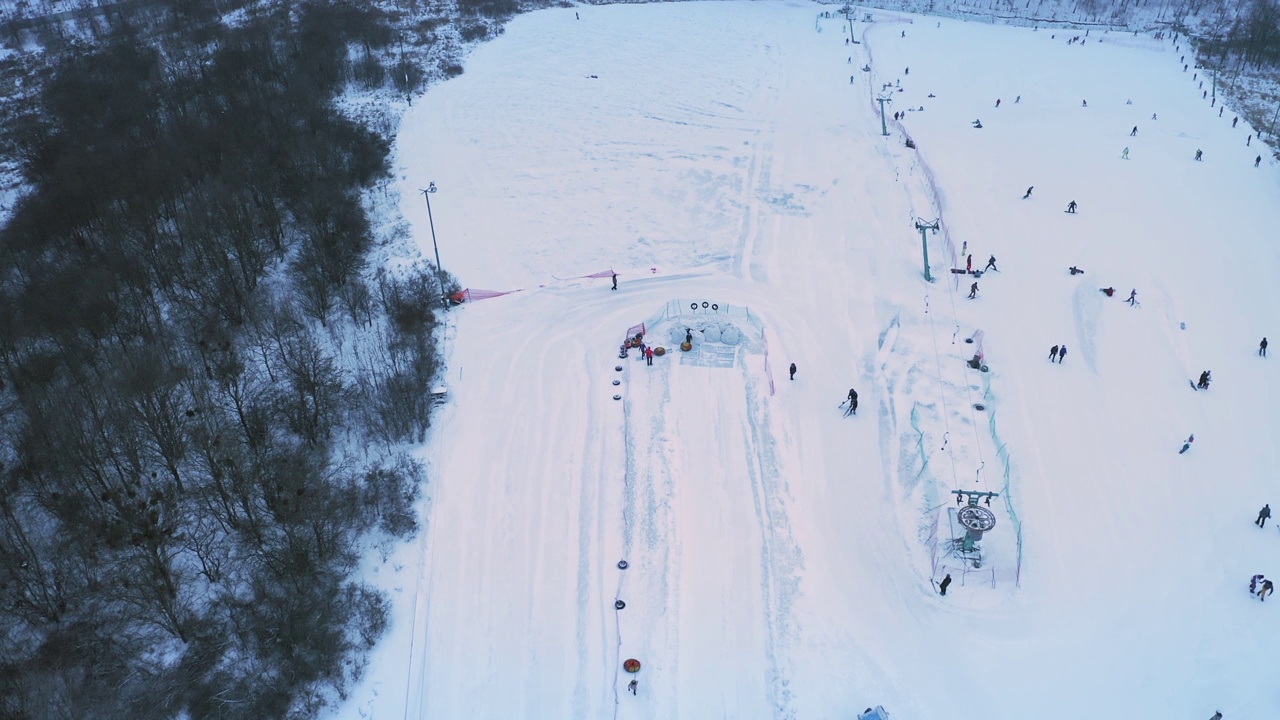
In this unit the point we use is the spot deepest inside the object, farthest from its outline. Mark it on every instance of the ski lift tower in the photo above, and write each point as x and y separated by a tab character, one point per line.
924	241
848	15
975	519
883	98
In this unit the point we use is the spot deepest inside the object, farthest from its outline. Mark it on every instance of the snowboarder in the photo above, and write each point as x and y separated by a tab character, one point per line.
1134	131
853	403
1257	161
1084	103
1033	187
1263	514
1133	298
793	371
1071	207
615	278
1253	583
997	102
1262	347
991	264
1265	590
1199	154
968	264
648	356
1053	353
633	685
1062	353
1187	445
1235	120
1077	271
942	586
973	291
1203	383
1124	155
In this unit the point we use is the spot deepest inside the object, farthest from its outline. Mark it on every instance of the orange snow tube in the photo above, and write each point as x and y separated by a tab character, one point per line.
632	665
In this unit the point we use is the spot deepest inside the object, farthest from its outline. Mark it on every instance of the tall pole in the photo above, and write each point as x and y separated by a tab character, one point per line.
431	189
924	244
884	129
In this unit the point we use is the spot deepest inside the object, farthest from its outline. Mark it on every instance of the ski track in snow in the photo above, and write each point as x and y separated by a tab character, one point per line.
782	557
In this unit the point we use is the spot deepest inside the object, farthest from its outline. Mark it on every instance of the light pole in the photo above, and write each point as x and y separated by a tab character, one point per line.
431	189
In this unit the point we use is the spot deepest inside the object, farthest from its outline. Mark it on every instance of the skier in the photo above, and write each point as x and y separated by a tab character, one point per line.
973	291
1153	116
1133	298
853	403
1187	445
1235	120
1253	583
1263	514
991	264
968	264
1062	353
793	371
1200	154
632	686
1262	347
1203	383
1084	103
1265	590
1124	155
1257	161
1217	716
1033	187
997	102
615	275
942	586
1017	100
1053	353
1134	131
1071	207
1077	271
648	356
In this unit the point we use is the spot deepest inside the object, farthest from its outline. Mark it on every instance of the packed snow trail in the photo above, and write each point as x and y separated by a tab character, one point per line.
779	561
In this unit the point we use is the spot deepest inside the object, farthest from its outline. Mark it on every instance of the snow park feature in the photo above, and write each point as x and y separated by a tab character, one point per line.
782	559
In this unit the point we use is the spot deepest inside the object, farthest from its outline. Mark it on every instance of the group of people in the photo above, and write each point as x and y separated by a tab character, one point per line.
1058	352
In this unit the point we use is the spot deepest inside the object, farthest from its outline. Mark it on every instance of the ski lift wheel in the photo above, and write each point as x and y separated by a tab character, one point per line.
984	368
617	382
618	368
622	565
618	604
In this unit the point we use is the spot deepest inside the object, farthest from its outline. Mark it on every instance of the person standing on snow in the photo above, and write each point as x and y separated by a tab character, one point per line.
793	371
1134	131
942	586
633	685
1071	207
1133	297
1124	154
1256	161
973	291
615	281
1235	120
1199	155
1265	590
968	264
991	264
1062	353
1253	583
1204	381
1263	514
1262	347
1053	353
997	102
853	403
648	356
1033	187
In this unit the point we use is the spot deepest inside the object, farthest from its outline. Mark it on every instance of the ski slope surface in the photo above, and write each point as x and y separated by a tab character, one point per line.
727	161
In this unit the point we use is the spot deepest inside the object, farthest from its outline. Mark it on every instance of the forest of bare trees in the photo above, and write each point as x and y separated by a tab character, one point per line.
205	392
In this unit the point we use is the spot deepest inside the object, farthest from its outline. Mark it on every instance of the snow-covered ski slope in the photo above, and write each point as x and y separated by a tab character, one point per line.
781	555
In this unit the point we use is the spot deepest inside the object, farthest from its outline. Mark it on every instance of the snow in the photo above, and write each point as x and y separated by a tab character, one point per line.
781	555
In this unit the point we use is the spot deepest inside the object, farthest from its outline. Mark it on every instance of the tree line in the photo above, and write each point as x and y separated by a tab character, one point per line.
205	390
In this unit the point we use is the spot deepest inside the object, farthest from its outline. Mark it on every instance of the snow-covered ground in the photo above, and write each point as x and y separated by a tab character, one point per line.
781	555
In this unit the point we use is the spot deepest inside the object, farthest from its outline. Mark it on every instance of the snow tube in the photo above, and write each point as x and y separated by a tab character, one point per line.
618	604
686	346
631	665
659	351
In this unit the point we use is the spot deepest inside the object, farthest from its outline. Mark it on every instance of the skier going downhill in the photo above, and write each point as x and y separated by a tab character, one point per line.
1203	382
991	264
973	291
1033	187
1263	514
853	403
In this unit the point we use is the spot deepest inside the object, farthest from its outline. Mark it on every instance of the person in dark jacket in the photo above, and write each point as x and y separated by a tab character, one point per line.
853	402
942	586
615	282
1263	514
1062	353
1265	590
793	371
1053	353
1262	347
991	264
973	291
